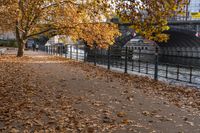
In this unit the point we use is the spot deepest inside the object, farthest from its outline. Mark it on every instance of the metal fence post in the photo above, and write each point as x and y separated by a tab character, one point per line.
101	57
70	51
65	50
84	53
121	54
166	76
51	50
77	52
54	47
156	64
178	67
139	60
126	60
132	59
61	51
190	74
95	63
108	58
57	48
147	67
54	52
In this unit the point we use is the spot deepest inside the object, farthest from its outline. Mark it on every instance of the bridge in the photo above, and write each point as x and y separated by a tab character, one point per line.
182	43
184	39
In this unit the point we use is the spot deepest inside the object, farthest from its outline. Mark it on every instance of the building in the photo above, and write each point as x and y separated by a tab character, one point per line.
7	36
191	11
194	9
59	39
194	6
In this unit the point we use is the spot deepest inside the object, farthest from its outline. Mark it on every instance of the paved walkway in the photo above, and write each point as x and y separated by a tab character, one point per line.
42	93
13	51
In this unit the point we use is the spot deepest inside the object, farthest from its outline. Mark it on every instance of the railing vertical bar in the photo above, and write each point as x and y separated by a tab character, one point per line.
108	58
132	59
126	60
139	65
77	52
121	54
156	64
166	76
85	49
191	74
178	67
147	66
95	63
65	51
70	51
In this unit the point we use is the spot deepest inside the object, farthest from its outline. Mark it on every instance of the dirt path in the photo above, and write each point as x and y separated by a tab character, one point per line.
42	93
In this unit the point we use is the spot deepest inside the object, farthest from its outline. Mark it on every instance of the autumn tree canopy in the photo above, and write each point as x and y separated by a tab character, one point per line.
85	19
28	18
149	18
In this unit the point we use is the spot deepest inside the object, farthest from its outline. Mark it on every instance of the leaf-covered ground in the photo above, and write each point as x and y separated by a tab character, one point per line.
51	94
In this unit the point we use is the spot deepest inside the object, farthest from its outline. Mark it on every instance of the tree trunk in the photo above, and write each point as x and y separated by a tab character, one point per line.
20	41
20	51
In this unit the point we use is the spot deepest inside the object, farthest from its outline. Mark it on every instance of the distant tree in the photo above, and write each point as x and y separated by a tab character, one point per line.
29	18
149	18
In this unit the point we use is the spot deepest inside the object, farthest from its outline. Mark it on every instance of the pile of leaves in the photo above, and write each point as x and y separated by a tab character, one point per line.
28	105
185	97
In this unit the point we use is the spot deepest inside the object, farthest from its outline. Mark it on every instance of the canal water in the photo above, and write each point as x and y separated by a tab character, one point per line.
184	61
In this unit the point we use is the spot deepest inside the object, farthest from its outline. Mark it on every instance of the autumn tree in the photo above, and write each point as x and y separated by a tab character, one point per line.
85	19
90	22
149	18
29	18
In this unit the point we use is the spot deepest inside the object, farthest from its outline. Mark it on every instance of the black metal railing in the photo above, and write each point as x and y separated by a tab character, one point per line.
129	60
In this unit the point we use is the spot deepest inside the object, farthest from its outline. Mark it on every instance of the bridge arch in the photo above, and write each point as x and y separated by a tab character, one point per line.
184	44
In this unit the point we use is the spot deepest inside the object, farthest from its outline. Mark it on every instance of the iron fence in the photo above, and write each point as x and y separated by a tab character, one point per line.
129	60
